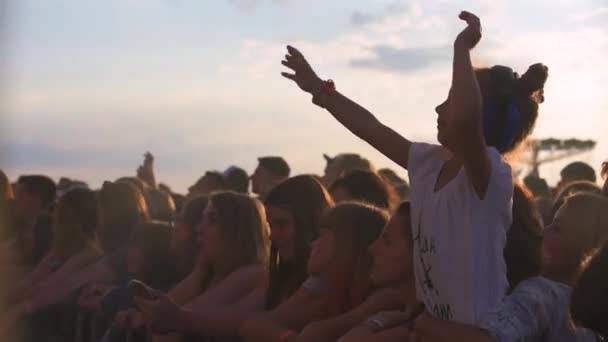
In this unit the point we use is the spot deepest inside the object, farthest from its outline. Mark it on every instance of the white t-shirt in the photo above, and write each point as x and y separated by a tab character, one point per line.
459	238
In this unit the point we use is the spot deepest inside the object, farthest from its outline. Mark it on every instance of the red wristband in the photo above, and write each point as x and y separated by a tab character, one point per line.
321	96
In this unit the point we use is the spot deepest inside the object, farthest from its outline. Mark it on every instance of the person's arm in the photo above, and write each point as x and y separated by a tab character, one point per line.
331	329
436	330
71	266
228	291
23	287
354	117
301	309
100	272
189	287
363	333
466	108
211	317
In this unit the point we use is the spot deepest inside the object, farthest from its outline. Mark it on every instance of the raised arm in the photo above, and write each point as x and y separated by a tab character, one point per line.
466	108
355	118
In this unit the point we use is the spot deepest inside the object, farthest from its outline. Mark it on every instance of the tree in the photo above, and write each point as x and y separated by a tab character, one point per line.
552	149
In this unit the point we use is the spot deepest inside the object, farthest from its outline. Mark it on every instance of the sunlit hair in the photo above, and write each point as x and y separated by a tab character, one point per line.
160	205
121	207
355	226
244	230
306	199
75	220
6	190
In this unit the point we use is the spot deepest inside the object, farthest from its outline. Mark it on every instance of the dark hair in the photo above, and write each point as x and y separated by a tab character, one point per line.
537	185
153	237
400	185
82	204
589	299
574	188
604	171
276	165
42	186
527	92
522	251
355	226
121	207
578	171
306	199
237	179
366	187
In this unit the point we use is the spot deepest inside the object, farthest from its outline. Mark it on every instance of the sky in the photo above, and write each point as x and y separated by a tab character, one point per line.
88	86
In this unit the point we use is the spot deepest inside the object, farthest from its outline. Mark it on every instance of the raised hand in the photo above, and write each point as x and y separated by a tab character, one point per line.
145	171
303	75
471	35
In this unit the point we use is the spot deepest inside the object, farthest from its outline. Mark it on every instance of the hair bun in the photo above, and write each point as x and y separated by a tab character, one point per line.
533	81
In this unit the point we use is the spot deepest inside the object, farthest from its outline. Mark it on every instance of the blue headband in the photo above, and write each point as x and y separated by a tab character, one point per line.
505	77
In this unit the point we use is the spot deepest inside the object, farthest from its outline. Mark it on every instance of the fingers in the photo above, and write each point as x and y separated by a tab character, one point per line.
289	76
293	51
289	65
470	18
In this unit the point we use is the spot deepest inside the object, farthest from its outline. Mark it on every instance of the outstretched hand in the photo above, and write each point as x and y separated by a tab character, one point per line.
304	76
145	171
471	35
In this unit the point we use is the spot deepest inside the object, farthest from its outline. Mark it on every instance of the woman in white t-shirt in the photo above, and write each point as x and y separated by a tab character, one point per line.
461	191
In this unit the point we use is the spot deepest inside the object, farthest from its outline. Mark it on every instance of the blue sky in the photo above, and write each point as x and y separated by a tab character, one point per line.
91	85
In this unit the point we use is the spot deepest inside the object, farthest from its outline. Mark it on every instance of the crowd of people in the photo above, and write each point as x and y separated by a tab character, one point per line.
464	251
